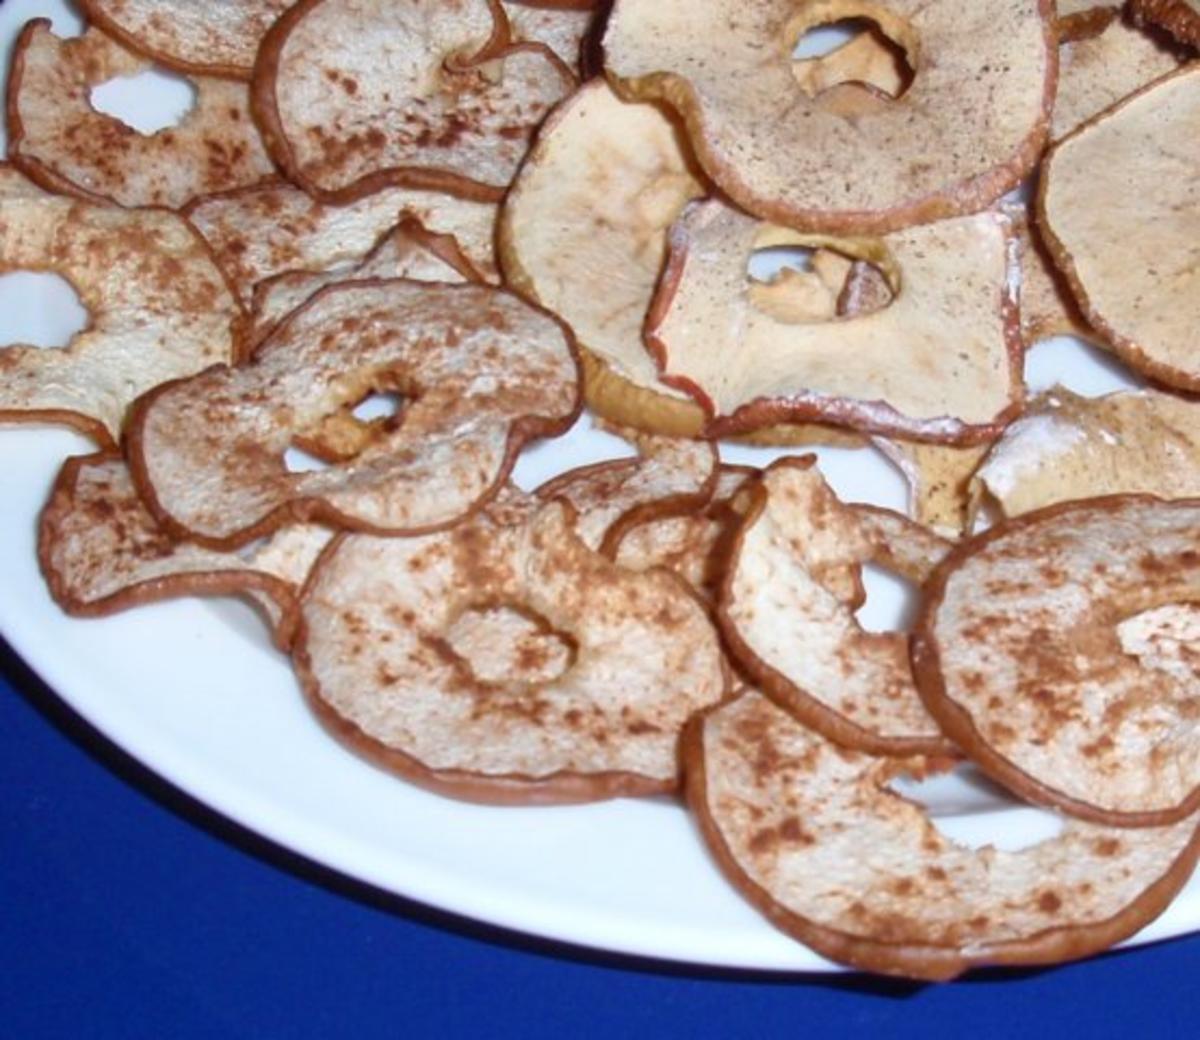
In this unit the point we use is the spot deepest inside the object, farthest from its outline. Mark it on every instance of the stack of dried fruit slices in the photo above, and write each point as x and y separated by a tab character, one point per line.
444	209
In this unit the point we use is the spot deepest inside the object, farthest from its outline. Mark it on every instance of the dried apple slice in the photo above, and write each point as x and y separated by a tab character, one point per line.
504	661
812	835
1130	176
969	127
939	481
1067	447
1079	19
101	551
941	363
564	29
1072	679
1181	18
59	140
262	232
158	307
481	371
408	251
355	94
214	38
787	608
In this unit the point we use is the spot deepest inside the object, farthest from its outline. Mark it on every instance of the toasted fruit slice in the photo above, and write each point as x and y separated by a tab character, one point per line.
481	372
1132	175
1078	19
968	128
214	38
407	251
504	661
355	94
1181	18
158	307
941	363
670	476
262	232
1067	447
793	583
101	551
939	481
562	28
812	835
1100	70
59	140
1059	651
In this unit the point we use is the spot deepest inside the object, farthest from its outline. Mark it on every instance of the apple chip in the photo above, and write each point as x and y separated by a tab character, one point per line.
158	307
262	232
942	362
1181	18
939	481
353	95
1066	447
504	661
1129	176
101	551
969	127
59	140
793	583
815	838
215	38
1059	650
562	28
480	373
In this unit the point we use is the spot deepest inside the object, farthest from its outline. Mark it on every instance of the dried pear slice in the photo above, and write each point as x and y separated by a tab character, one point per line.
941	363
1130	176
787	608
59	140
262	232
101	551
1181	18
158	307
481	371
969	127
1059	650
1066	447
812	835
579	694
352	95
408	251
214	38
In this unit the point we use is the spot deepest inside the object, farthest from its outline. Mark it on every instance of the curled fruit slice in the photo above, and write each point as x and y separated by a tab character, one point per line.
968	128
63	143
1066	447
1059	651
793	583
355	94
101	551
941	362
158	307
1130	176
262	232
480	372
503	661
1181	18
813	836
216	37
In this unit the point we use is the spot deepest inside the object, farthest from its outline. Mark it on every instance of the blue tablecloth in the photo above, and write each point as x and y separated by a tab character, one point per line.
132	911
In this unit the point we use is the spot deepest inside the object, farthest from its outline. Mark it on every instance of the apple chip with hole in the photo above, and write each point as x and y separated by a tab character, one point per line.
815	838
355	94
1132	176
968	128
61	141
503	661
480	371
215	38
940	362
1181	18
1061	651
1069	447
101	551
792	585
158	307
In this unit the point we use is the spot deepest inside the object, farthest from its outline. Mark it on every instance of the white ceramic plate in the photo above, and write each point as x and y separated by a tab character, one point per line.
194	690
